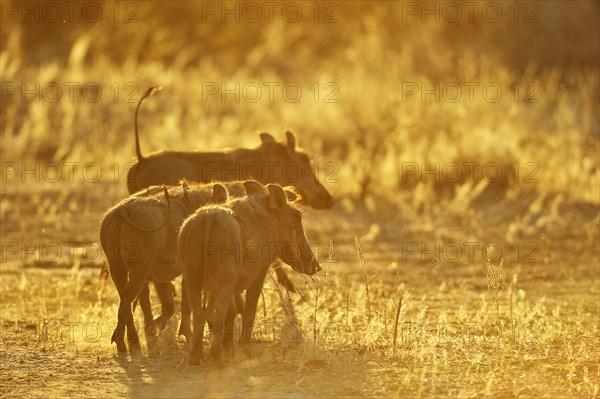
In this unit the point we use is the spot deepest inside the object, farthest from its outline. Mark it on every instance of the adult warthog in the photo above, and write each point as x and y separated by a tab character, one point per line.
271	162
224	250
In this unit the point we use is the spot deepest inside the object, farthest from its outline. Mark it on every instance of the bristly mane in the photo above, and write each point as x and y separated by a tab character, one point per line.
252	208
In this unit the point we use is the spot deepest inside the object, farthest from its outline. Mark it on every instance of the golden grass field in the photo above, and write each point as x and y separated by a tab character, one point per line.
441	279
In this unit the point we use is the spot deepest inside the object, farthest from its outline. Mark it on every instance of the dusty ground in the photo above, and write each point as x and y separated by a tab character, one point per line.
543	341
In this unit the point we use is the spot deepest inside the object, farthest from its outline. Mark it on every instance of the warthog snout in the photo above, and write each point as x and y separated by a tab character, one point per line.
312	266
323	201
295	169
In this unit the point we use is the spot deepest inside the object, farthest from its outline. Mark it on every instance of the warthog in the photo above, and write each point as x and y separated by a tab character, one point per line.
139	237
271	162
226	249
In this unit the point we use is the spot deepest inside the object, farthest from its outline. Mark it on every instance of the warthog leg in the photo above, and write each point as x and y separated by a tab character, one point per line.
185	327
137	278
282	278
165	295
229	332
119	276
145	305
193	289
218	305
249	313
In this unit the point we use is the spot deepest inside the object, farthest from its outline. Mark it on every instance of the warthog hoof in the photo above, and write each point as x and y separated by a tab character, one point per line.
247	349
152	330
194	360
186	331
218	364
121	347
156	326
148	324
134	345
228	348
132	337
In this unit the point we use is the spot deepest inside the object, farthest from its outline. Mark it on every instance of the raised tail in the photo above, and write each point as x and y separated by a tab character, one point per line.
149	92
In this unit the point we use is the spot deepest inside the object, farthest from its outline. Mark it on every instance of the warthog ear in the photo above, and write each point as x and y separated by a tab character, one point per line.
277	198
252	186
184	184
266	138
219	194
291	194
291	142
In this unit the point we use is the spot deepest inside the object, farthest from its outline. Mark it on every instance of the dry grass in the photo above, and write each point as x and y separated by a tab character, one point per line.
392	314
452	340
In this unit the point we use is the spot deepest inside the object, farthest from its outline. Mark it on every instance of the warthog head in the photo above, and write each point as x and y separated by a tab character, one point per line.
293	245
293	168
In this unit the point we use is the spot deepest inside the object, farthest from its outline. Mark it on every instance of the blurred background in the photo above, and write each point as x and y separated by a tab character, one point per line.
371	89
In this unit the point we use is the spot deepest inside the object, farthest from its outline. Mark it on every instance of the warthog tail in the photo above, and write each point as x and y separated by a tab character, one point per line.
104	273
149	92
130	222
